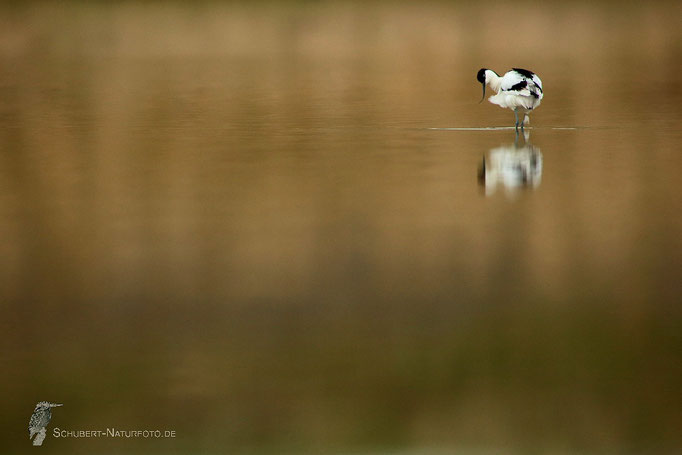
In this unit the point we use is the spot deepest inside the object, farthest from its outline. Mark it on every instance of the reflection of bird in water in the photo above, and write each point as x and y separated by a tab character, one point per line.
512	166
39	420
519	90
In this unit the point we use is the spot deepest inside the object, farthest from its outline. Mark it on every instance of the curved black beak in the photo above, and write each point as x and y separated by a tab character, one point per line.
483	97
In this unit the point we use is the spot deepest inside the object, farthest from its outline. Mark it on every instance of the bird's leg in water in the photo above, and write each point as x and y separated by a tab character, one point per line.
516	116
523	122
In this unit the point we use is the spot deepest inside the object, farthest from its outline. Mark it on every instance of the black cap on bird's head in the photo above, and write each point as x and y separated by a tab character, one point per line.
481	78
481	75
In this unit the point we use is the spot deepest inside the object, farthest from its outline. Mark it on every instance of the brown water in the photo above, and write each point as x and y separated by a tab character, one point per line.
269	229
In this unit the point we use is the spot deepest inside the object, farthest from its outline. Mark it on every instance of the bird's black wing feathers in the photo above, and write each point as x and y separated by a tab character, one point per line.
524	73
519	86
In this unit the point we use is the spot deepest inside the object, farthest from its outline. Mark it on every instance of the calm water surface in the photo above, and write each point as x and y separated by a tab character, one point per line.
291	228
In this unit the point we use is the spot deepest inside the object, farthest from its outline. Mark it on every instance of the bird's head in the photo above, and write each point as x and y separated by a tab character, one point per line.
47	404
482	78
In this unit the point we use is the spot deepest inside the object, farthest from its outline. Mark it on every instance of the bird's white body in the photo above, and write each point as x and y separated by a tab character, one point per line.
519	90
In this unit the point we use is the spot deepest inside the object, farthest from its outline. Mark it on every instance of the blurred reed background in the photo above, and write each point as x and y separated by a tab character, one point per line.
230	219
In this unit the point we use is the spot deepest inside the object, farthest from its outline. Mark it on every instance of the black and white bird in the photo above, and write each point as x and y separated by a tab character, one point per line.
519	90
39	419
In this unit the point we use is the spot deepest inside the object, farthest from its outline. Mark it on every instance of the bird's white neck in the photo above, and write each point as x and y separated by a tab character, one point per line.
493	80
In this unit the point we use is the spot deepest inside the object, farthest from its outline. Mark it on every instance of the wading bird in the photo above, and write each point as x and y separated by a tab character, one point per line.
519	90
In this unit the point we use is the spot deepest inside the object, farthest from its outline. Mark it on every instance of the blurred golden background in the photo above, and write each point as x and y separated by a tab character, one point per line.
249	223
